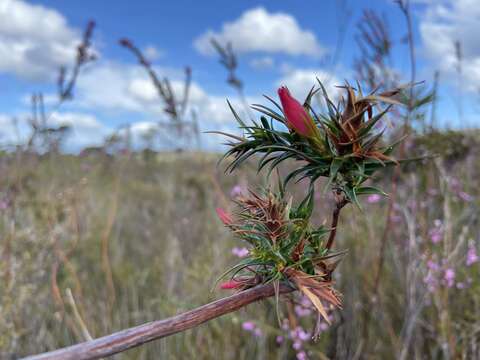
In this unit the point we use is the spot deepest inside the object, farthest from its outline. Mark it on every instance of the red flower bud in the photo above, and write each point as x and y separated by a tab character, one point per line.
297	117
224	216
230	284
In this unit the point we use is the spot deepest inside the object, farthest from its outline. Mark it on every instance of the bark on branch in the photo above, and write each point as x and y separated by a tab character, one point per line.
136	336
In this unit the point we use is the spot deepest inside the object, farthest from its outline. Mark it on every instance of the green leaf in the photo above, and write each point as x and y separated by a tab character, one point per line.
265	123
305	208
370	190
425	100
308	99
239	120
269	112
351	195
335	165
242	264
332	111
293	175
277	162
273	102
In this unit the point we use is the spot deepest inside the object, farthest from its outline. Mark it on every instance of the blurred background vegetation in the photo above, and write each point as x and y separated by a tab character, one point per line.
135	237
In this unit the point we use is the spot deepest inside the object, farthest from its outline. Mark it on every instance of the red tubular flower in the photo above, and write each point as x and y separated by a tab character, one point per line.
224	216
231	284
297	117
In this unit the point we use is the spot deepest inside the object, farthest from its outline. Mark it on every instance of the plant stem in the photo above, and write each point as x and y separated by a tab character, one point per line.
340	203
129	338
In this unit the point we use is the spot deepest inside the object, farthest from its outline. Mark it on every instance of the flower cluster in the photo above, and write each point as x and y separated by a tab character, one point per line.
456	188
472	256
436	232
250	326
343	145
283	246
292	333
442	273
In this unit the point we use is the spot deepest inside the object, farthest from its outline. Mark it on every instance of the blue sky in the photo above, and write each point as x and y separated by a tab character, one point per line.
278	42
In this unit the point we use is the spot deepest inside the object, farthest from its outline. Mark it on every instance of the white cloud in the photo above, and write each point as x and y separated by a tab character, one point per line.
143	127
445	23
124	91
152	53
86	130
121	88
138	130
116	87
257	30
80	120
300	81
265	62
34	40
11	130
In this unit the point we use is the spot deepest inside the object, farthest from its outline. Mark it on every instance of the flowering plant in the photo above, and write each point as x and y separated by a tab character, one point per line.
283	246
343	146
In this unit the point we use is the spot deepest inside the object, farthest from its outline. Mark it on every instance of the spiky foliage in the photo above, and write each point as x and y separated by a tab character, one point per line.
284	246
347	148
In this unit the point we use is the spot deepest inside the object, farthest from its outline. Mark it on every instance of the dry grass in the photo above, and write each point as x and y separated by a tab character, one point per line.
137	239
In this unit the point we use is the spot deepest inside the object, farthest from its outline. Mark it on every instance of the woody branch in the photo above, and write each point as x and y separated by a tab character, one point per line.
129	338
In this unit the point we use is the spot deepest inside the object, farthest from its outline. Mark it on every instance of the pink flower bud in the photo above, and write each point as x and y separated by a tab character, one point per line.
224	216
297	117
230	284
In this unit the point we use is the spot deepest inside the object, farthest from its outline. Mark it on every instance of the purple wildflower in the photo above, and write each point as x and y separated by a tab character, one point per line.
465	197
436	233
248	326
431	281
3	204
303	335
302	311
305	301
237	191
432	265
240	252
323	326
454	184
449	277
472	256
302	355
374	198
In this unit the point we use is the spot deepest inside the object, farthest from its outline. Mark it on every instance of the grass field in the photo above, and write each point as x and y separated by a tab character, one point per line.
136	238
